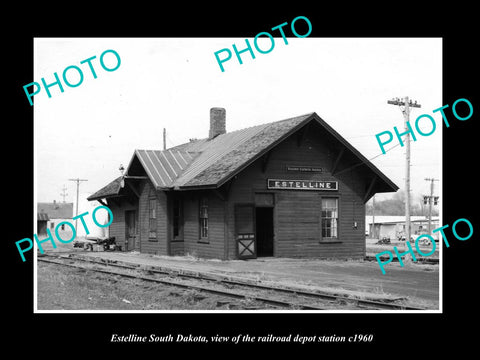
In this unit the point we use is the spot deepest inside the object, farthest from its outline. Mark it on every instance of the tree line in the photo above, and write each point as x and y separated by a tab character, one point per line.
396	206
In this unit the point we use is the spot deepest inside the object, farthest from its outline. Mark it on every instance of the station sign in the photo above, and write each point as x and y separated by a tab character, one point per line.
306	169
284	184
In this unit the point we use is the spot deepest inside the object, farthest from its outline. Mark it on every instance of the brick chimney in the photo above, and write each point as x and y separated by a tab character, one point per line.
217	122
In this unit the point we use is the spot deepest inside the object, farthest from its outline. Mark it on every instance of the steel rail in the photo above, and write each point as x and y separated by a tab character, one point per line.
372	304
191	286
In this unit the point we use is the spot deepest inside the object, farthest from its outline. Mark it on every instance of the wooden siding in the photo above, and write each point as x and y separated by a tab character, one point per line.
297	213
117	227
177	248
213	247
156	245
175	244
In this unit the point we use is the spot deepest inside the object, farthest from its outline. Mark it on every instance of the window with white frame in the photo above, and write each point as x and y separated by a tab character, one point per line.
329	218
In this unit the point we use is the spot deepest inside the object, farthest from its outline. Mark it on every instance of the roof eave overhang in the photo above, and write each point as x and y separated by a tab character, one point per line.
393	187
195	187
144	166
90	198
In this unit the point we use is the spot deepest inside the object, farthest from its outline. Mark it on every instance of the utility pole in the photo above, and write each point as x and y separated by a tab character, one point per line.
407	104
77	180
164	139
373	218
430	198
64	193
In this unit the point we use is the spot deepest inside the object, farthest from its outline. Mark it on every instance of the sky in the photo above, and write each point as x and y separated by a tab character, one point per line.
88	131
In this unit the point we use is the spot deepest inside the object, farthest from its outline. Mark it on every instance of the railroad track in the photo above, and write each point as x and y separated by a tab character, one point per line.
276	297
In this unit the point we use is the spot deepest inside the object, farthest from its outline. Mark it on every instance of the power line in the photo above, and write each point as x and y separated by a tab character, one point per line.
358	136
385	152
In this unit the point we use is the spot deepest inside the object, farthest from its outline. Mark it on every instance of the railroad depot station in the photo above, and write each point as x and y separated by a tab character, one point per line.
290	188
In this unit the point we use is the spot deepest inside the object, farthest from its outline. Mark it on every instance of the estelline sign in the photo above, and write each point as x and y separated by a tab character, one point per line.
301	184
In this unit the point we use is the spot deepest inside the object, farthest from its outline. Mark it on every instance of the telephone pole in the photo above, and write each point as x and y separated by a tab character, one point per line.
405	105
164	138
373	218
64	192
431	199
77	180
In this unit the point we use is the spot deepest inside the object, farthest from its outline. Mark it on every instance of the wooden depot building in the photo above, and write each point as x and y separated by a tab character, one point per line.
290	188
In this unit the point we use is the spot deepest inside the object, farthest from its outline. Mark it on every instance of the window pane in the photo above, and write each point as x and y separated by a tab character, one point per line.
334	228
329	203
153	205
203	218
152	214
329	217
203	228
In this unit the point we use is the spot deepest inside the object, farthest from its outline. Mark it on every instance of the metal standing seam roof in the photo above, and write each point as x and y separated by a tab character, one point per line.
163	167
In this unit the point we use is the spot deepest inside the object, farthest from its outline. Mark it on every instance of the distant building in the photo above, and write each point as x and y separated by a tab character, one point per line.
49	215
393	226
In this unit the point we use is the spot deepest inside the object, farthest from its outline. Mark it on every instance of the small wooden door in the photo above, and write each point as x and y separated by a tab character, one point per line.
245	231
130	230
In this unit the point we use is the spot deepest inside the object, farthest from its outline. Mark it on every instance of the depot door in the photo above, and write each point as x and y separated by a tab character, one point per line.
130	229
264	231
245	231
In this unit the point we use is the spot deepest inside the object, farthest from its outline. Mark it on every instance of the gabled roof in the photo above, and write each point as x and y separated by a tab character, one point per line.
110	190
209	163
163	167
56	210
